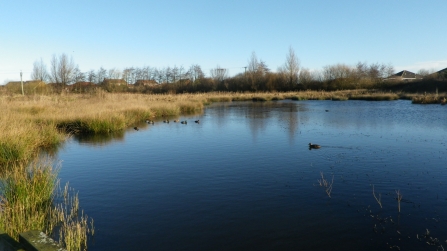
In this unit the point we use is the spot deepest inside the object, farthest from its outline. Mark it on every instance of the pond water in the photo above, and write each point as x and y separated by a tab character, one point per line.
244	178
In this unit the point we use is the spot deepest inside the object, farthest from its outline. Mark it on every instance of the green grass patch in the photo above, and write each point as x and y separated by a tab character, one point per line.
30	200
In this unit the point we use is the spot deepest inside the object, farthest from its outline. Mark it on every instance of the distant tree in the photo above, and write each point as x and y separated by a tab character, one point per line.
195	72
257	70
62	70
91	76
78	75
219	74
147	73
158	75
291	68
40	71
425	72
113	73
305	76
175	72
101	74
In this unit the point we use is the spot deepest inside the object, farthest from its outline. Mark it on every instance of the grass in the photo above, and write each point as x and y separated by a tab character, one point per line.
30	201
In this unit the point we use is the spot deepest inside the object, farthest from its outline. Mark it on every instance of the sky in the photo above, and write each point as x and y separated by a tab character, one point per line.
410	35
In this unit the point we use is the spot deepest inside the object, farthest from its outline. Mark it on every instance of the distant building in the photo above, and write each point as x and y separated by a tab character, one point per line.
441	75
115	82
404	76
81	86
29	87
142	82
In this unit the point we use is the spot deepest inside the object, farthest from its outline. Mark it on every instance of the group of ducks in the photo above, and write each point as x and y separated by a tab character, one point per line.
151	122
176	121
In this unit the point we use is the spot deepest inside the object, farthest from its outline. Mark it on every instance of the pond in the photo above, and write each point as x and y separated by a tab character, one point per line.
244	178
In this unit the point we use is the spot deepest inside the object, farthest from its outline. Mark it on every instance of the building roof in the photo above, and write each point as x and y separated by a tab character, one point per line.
406	74
114	81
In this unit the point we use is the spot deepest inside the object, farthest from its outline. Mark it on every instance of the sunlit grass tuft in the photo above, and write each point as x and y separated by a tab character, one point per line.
30	200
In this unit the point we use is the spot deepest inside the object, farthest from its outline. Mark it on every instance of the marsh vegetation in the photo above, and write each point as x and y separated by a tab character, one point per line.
33	124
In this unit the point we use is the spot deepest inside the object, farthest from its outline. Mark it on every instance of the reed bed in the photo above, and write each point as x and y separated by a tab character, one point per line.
430	99
30	200
374	96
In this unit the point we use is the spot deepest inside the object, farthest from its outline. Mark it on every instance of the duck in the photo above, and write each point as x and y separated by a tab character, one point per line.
166	121
197	121
175	121
314	146
136	128
184	122
149	121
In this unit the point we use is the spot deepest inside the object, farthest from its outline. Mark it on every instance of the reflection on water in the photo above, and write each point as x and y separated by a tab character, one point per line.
244	179
99	139
260	114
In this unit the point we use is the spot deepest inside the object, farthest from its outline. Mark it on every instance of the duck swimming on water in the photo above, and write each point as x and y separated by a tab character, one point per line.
314	146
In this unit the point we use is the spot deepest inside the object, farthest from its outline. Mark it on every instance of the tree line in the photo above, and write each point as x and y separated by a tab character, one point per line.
257	76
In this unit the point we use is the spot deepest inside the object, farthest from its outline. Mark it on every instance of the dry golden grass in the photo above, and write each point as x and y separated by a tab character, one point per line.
440	98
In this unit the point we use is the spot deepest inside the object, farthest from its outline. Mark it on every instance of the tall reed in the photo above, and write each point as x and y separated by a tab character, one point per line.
27	194
327	185
379	200
30	200
399	198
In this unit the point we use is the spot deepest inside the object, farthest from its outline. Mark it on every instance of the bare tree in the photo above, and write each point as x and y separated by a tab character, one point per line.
91	76
305	76
425	72
40	71
195	72
219	73
114	73
78	76
389	70
291	67
338	71
256	71
62	69
54	70
175	72
147	73
158	75
101	75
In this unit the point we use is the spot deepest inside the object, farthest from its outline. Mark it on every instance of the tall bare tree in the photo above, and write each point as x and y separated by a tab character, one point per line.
62	69
91	76
101	75
255	71
291	68
40	71
195	72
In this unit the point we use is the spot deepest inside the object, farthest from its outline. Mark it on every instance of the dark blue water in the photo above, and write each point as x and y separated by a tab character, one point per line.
245	179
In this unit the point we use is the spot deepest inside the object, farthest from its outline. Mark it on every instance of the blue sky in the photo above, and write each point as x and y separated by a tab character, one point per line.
408	34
